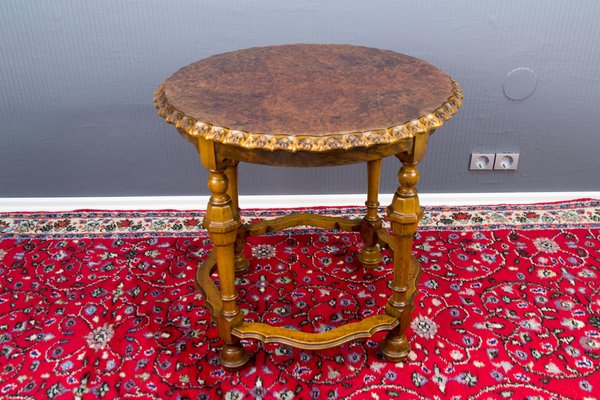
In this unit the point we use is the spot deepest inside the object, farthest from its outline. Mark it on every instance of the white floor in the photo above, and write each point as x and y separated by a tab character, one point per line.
278	201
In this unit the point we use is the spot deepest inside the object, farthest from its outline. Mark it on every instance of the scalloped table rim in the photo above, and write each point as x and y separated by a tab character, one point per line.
293	143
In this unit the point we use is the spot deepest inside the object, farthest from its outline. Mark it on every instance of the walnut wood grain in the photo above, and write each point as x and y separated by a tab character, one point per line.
311	97
310	89
204	283
301	219
241	262
370	256
315	341
310	158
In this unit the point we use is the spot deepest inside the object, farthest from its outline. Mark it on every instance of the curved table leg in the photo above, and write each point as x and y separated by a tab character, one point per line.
370	255
404	214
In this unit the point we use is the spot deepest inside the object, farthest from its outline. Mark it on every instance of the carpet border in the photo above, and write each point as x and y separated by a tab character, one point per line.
574	214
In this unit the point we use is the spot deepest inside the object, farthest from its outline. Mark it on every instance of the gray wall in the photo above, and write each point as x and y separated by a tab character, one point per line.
76	83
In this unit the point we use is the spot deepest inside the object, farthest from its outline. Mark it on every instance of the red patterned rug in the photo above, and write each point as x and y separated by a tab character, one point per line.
102	305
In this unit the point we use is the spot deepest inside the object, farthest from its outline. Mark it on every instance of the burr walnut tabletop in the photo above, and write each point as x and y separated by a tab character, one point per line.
309	105
308	97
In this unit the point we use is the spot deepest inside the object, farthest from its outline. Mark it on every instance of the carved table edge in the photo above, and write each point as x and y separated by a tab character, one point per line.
316	143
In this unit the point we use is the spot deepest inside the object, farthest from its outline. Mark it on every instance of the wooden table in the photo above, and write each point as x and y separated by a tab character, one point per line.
309	105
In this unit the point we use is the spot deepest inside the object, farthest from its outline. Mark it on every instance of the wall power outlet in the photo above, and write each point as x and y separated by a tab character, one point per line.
494	161
506	161
482	161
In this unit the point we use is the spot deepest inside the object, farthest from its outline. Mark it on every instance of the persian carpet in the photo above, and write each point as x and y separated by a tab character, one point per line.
103	305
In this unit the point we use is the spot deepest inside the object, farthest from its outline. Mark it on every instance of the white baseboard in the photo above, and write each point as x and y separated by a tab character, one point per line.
275	201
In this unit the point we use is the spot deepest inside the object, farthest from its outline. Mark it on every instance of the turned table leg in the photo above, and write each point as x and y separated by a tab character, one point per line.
404	214
222	223
370	255
241	262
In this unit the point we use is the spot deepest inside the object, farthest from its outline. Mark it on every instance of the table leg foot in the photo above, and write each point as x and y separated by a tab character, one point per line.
233	356
395	347
370	257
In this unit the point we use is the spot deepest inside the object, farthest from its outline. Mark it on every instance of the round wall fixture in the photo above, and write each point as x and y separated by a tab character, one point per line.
520	83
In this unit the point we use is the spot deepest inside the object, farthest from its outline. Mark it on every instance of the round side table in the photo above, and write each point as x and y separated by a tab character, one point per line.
309	105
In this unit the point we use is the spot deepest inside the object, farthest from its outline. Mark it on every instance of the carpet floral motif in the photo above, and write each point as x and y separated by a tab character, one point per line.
103	305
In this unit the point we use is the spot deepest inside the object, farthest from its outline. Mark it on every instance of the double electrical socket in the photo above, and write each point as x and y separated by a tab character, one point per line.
494	161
